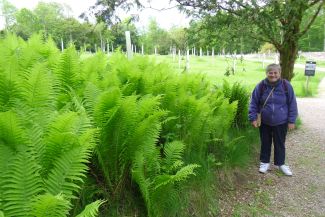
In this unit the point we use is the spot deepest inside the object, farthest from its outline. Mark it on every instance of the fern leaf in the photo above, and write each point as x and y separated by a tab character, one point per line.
48	205
173	153
11	132
181	175
62	135
68	172
138	174
68	69
91	210
22	182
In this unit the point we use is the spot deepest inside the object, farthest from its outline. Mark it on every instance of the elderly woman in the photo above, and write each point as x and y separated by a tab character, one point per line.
275	100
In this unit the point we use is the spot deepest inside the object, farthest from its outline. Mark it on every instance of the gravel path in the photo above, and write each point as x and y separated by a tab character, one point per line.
303	194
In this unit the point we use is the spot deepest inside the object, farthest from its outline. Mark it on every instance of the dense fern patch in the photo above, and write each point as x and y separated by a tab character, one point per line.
77	132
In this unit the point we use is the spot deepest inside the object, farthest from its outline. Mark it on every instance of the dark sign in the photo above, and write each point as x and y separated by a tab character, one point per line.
310	68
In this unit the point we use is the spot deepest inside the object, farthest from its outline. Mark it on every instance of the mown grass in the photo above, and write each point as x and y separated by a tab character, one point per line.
248	73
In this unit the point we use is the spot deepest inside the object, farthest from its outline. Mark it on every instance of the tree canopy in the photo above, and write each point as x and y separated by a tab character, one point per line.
279	22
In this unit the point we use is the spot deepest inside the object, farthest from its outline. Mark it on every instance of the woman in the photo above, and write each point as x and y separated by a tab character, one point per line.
274	98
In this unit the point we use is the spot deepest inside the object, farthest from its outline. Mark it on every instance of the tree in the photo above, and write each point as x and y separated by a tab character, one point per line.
7	11
223	33
26	24
179	37
313	40
156	37
278	22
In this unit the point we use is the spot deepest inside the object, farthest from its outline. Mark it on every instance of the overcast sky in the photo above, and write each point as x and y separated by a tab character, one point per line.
165	18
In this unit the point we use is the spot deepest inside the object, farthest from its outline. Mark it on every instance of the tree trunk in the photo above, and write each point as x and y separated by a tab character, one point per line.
288	55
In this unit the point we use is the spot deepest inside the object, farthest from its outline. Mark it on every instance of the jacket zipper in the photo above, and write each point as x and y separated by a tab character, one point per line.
272	105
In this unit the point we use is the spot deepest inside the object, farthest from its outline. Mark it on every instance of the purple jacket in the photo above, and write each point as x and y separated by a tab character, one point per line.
278	109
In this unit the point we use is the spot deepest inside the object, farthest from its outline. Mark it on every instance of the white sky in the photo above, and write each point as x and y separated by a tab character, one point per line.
165	19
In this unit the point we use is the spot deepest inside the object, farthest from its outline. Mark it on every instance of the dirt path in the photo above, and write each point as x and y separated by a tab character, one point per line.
301	195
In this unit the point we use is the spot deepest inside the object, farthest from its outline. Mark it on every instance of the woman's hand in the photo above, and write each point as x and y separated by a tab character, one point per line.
291	126
254	124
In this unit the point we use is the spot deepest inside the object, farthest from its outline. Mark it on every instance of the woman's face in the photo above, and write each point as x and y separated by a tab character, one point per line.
273	75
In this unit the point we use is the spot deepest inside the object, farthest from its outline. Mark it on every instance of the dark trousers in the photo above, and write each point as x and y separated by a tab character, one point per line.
277	134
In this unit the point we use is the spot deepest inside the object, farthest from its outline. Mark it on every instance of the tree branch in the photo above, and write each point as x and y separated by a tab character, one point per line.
161	9
312	19
314	3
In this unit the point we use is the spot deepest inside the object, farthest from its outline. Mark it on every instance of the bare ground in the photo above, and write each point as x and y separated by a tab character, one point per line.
274	194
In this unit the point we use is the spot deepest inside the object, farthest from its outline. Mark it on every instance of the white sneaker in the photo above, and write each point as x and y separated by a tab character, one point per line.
264	167
286	170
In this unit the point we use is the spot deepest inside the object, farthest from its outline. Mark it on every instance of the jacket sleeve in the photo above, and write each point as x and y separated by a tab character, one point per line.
254	104
292	106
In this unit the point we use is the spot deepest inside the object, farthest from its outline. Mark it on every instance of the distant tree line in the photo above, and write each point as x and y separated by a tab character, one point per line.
219	31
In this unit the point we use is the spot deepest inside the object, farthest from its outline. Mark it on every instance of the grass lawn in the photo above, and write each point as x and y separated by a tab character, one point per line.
248	73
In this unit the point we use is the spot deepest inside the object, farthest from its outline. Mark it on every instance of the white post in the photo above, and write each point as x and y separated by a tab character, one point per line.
174	54
62	47
135	49
234	62
307	85
324	37
179	59
276	60
200	52
187	60
132	48
142	49
207	52
128	44
212	52
263	59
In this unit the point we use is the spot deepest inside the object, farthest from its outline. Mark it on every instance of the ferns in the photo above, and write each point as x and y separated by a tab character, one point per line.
91	210
44	152
49	205
239	94
20	183
146	125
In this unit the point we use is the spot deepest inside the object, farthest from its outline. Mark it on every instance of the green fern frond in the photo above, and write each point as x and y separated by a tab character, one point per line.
181	175
9	92
37	93
91	210
68	69
47	205
61	136
91	96
21	183
173	153
138	175
68	172
11	132
107	105
94	68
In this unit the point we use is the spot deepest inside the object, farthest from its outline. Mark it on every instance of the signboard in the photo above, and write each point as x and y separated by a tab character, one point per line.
310	68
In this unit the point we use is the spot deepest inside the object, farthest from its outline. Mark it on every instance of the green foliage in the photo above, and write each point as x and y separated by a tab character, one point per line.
239	94
142	129
49	205
91	210
44	151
